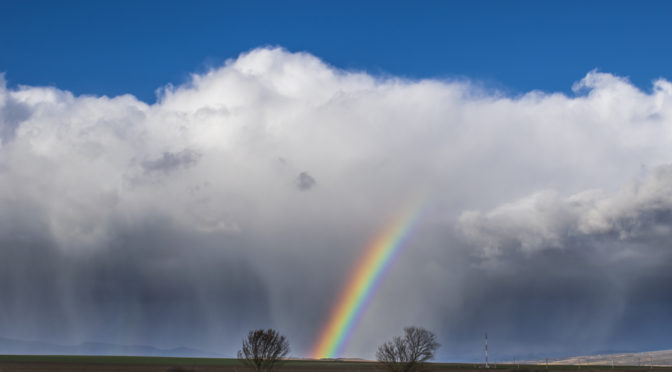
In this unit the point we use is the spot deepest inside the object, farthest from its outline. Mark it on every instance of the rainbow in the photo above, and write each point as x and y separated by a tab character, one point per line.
377	258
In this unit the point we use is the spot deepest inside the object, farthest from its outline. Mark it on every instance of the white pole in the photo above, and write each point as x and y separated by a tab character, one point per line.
486	350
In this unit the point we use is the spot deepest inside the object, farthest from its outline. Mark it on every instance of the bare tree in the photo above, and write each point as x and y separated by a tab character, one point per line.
408	353
263	349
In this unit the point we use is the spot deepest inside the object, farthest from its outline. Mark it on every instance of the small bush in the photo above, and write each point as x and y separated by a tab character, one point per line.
180	369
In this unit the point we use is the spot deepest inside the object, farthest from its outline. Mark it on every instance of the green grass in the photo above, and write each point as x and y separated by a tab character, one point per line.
104	359
175	361
168	361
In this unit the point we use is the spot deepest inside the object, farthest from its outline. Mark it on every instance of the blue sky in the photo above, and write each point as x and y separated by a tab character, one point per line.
116	47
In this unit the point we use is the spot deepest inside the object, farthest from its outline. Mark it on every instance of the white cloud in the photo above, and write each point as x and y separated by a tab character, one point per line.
546	220
220	157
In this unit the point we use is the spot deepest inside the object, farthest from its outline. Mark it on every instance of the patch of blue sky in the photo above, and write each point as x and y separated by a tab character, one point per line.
118	47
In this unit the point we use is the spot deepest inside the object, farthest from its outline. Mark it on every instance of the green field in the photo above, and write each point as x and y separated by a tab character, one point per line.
117	360
44	363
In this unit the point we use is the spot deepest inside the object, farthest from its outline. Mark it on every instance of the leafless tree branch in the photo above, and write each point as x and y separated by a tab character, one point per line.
263	349
408	353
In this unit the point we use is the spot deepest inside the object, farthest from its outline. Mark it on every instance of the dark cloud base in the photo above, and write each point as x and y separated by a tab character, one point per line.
154	286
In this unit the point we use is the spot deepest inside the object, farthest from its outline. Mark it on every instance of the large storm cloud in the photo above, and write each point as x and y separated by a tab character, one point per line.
243	198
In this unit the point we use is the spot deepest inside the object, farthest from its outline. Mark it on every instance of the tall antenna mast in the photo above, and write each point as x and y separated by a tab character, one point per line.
486	350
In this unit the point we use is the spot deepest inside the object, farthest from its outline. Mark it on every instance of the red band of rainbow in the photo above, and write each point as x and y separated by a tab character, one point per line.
376	260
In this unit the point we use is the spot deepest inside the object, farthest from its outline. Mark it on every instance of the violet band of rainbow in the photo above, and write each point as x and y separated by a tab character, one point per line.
359	290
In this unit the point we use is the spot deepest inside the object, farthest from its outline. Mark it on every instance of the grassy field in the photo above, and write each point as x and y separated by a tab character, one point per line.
49	363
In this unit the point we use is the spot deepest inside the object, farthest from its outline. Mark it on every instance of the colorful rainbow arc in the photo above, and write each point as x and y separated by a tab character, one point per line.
377	258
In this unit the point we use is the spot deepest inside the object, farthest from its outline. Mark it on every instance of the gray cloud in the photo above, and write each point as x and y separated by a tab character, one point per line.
148	286
170	161
305	181
175	224
641	211
579	261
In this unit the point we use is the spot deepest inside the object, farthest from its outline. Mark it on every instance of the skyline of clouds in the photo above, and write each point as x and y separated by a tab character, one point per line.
191	220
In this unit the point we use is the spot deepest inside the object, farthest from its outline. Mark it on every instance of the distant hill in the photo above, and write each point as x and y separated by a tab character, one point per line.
11	346
655	358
